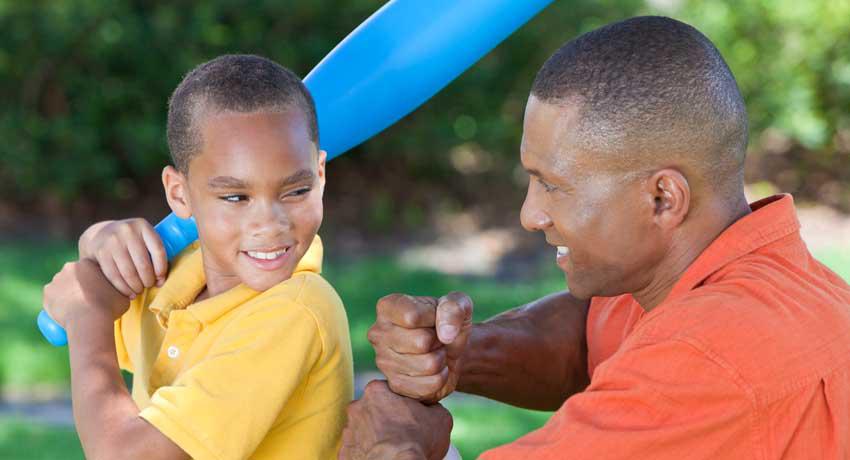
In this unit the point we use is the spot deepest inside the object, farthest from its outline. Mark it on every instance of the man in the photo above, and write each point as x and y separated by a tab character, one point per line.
696	326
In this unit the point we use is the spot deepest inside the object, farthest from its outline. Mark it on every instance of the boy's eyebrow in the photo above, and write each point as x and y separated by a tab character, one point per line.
226	182
231	182
303	175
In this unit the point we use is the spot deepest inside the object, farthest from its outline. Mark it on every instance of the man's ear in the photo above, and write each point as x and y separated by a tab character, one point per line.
177	191
672	197
320	170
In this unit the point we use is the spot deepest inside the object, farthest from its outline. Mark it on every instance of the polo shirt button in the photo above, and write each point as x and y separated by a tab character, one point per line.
173	352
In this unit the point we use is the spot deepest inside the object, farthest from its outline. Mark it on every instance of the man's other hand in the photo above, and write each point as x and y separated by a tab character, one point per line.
384	425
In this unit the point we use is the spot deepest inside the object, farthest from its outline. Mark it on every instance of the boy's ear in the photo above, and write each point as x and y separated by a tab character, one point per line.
177	191
320	170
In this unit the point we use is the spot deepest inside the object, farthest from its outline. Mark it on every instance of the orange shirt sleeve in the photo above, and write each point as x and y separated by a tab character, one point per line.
665	400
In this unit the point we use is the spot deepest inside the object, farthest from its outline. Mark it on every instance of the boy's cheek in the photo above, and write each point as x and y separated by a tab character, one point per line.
310	215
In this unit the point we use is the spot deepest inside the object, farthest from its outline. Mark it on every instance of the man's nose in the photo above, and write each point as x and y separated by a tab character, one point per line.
532	216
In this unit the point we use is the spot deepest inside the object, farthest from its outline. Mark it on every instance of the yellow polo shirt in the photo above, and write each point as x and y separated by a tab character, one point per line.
244	374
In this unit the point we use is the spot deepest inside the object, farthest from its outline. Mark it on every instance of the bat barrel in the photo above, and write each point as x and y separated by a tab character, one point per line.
401	56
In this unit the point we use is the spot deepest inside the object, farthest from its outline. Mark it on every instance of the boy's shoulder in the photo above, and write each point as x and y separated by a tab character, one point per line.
310	293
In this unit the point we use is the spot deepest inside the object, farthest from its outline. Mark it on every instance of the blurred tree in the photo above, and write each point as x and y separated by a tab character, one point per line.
84	87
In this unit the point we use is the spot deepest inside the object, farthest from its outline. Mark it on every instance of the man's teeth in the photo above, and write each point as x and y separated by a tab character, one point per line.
563	250
267	255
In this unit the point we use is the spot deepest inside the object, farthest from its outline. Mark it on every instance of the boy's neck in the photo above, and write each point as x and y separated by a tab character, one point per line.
216	284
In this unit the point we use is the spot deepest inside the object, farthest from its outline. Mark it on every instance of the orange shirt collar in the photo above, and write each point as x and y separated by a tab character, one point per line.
773	218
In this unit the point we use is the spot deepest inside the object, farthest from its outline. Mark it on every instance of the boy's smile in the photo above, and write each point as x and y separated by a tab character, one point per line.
255	190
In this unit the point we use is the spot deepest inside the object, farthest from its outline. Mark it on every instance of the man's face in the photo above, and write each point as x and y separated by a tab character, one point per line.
256	193
599	221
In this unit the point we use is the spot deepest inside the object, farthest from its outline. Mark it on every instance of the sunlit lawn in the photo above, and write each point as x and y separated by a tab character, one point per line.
27	362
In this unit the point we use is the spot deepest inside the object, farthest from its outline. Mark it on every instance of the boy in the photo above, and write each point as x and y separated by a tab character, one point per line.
243	350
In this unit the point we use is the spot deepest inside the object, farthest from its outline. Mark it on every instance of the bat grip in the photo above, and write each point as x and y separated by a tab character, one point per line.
176	233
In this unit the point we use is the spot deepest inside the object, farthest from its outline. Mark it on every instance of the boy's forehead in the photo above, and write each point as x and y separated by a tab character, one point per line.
248	144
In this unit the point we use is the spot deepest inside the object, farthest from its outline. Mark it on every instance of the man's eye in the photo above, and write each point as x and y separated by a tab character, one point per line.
234	198
299	192
546	187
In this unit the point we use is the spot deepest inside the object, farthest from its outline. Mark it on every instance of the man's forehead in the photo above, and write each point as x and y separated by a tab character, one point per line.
550	137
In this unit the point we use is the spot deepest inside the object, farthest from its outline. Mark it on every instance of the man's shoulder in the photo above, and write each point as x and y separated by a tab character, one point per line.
768	332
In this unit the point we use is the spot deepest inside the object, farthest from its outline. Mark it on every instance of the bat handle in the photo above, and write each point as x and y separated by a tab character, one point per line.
176	233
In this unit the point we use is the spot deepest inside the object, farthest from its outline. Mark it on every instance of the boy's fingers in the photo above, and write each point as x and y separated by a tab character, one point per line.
110	270
127	269
142	261
157	252
454	312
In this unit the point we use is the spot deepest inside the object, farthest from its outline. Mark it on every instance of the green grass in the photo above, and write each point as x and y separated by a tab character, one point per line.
27	362
23	441
480	424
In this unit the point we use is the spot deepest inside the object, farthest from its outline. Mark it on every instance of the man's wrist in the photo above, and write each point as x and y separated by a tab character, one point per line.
466	364
403	451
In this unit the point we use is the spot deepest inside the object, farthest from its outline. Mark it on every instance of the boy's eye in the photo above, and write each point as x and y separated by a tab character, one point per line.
234	198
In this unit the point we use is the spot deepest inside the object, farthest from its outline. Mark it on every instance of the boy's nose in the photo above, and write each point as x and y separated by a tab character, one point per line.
269	221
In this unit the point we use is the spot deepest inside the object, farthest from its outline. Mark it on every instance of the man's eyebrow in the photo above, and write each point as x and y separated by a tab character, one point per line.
303	175
533	172
226	182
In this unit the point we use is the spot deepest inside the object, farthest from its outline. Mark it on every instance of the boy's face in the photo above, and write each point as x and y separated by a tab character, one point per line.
255	191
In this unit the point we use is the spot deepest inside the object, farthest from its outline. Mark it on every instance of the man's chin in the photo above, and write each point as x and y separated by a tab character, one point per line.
579	290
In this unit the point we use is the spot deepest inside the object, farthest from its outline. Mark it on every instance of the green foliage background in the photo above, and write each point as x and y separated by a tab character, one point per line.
84	84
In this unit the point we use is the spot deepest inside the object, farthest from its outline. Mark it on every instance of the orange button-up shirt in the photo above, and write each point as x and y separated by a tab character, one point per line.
747	358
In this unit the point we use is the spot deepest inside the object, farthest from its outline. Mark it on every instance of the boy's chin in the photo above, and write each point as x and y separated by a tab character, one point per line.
266	281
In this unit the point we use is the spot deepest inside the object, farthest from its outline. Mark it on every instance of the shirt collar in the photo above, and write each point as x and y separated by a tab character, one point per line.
772	218
186	279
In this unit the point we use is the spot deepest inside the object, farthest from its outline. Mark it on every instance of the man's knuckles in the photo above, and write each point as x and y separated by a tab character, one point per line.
426	387
407	311
431	363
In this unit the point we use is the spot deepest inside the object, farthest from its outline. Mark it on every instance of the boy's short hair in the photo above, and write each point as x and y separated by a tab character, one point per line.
235	82
651	87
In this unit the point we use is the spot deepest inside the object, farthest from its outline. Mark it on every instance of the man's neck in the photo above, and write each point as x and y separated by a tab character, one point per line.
695	237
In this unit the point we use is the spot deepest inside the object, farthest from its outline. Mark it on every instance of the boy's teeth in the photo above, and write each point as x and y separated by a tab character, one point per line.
266	255
563	250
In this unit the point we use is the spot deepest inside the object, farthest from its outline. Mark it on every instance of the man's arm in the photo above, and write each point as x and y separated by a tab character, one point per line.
106	418
534	356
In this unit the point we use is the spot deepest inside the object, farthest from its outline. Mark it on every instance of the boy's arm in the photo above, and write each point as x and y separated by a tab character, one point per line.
106	417
81	300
